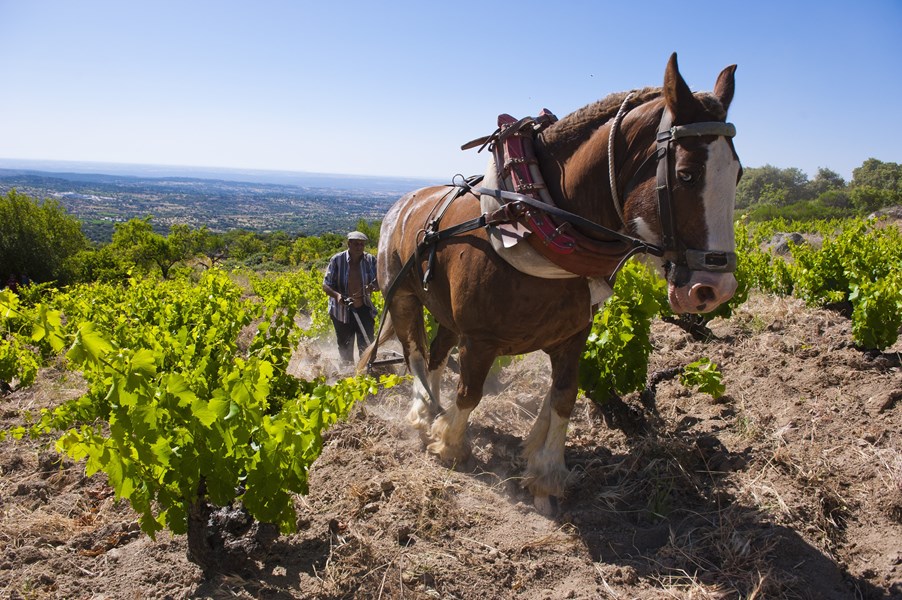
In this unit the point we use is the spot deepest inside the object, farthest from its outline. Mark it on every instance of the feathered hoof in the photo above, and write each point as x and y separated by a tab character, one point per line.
547	489
451	456
546	505
420	419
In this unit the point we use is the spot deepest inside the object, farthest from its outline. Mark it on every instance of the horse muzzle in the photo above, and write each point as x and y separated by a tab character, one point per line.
699	291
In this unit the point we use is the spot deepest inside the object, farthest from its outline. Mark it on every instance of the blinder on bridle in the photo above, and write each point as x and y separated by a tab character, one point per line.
682	260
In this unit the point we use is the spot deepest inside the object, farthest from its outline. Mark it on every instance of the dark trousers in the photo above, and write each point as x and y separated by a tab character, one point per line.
347	332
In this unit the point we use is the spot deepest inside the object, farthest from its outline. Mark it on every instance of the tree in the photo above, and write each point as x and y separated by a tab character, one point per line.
825	181
769	185
147	249
371	230
310	251
278	247
178	246
211	245
245	245
773	195
835	199
102	264
132	241
36	238
867	199
878	175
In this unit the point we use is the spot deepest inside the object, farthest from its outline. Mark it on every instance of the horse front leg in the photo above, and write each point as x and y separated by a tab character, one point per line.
449	431
407	318
427	396
546	472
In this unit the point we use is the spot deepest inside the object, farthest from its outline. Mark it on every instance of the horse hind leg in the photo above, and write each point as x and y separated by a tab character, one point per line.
449	431
444	341
546	472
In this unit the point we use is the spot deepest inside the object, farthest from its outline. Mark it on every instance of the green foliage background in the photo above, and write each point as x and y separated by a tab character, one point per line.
184	339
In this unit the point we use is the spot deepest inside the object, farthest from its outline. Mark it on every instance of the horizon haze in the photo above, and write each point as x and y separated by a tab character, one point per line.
393	89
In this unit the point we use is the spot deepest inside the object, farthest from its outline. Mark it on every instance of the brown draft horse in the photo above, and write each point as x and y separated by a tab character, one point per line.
488	308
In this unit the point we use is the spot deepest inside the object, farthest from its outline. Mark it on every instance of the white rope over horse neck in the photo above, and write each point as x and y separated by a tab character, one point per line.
614	127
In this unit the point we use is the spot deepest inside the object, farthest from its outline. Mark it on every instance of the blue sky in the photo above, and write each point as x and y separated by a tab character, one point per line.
394	88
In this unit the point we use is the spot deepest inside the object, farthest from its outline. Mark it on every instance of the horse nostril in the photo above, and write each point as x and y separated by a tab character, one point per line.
705	294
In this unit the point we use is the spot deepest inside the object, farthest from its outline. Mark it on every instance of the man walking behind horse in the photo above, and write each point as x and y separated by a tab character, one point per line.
349	281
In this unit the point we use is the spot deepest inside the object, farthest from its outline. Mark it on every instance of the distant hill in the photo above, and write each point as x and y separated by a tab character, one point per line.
100	195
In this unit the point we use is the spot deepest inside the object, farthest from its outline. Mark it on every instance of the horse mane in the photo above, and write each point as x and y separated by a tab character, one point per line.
581	123
584	121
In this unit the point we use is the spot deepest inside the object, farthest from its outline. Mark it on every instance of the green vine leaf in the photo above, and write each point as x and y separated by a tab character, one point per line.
704	376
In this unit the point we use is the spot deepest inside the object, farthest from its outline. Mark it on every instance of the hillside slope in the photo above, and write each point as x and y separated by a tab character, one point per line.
790	486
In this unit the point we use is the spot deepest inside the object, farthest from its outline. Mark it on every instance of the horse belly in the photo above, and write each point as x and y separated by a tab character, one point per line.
492	301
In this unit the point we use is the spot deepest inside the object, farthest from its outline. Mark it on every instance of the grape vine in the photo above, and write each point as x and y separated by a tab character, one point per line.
176	407
189	396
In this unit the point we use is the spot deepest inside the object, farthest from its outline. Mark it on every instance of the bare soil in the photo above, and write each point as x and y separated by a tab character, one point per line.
790	486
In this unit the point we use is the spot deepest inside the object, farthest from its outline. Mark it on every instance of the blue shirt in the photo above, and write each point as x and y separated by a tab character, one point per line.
337	278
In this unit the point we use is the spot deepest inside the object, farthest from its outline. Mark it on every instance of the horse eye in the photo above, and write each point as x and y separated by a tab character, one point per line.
686	176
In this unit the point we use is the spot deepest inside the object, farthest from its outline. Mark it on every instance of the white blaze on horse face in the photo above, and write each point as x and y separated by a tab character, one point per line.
719	195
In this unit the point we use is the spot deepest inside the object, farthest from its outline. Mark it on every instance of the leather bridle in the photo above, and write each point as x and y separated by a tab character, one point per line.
679	259
682	258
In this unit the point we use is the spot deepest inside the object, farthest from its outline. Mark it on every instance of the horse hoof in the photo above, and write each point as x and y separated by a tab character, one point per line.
546	505
452	456
419	420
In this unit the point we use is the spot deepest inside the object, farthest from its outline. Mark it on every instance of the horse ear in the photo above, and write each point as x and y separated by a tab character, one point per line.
725	86
677	95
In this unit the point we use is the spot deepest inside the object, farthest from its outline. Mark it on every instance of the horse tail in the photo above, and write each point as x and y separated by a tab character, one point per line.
386	332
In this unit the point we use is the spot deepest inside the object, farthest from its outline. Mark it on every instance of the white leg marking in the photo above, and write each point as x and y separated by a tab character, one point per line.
423	409
449	435
426	405
546	472
435	383
536	438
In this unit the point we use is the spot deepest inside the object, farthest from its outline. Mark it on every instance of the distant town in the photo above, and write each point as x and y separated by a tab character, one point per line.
297	203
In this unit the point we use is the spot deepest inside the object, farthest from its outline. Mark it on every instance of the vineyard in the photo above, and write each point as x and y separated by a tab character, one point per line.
751	453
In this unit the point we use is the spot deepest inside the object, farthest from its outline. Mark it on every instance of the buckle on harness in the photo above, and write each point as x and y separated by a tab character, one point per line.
556	238
710	260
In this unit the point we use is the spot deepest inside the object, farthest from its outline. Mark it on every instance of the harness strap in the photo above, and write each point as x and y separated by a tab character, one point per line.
432	228
431	238
668	227
569	217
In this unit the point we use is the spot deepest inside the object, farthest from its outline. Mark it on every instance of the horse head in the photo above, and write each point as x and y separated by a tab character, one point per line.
685	206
